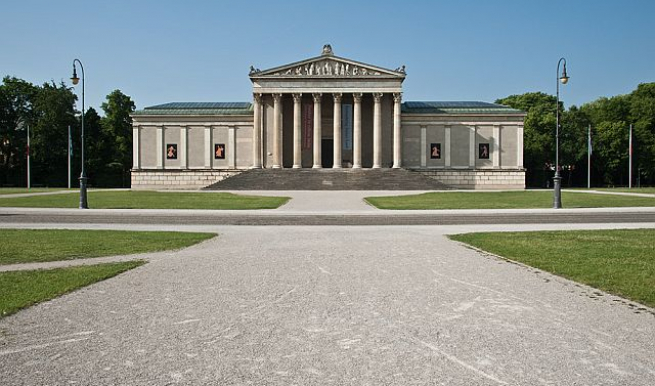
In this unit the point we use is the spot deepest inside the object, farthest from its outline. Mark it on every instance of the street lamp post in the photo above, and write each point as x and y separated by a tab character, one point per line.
83	199
557	179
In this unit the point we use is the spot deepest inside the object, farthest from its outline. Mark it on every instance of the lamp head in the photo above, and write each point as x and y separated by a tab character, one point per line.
75	79
564	78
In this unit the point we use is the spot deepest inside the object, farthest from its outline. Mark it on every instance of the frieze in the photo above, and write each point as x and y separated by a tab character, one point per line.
327	68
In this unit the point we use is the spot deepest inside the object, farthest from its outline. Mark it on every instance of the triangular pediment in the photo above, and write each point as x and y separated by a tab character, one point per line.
328	66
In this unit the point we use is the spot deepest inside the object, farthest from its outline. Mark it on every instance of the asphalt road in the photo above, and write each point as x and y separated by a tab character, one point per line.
19	216
303	305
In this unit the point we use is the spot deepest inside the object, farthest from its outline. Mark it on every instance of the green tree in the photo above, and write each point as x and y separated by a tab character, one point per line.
16	99
539	134
117	128
53	111
574	125
642	114
610	121
98	150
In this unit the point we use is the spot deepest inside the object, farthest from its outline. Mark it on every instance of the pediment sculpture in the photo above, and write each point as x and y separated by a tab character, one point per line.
327	68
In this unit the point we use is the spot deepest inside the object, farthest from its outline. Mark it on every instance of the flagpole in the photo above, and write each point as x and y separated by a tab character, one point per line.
69	157
28	158
630	161
589	158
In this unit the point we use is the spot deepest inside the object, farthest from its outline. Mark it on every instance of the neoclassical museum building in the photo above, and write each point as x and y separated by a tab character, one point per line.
328	112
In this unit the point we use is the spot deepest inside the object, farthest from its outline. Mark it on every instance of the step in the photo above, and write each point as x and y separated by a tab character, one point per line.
328	179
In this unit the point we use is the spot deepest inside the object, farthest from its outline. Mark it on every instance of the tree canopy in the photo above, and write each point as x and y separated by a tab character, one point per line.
610	119
49	110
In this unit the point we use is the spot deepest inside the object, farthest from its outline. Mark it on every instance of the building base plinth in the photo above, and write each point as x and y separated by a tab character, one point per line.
490	179
166	179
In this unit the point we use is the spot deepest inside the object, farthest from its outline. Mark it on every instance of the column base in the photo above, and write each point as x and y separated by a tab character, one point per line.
296	167
377	167
396	167
357	167
276	167
337	167
317	167
252	167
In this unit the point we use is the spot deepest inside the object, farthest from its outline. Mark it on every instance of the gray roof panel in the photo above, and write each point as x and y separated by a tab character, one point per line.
456	107
198	108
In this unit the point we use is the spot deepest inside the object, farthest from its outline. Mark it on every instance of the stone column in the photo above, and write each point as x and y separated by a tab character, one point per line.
519	147
495	147
357	131
277	131
397	139
161	151
209	147
136	145
337	131
297	152
231	148
256	133
317	131
424	146
184	147
447	146
377	131
472	149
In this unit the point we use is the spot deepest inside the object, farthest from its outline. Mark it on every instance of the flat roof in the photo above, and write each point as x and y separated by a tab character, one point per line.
246	108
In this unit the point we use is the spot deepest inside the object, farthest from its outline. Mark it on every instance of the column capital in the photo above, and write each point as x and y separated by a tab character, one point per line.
377	96
337	97
357	97
317	97
257	97
277	97
397	97
297	97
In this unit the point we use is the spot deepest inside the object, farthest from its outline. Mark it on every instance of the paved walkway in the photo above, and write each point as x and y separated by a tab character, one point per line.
63	191
335	305
330	305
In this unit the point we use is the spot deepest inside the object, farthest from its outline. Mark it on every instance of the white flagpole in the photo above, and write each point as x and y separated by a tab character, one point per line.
69	157
630	161
28	158
589	158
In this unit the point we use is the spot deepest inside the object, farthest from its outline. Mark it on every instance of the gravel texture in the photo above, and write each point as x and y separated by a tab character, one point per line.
331	305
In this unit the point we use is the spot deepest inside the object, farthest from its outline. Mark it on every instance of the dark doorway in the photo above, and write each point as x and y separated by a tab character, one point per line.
327	153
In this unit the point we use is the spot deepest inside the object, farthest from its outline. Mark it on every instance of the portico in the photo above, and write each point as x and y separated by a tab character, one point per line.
327	112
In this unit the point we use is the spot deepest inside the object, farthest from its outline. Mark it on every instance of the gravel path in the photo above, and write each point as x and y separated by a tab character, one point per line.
331	305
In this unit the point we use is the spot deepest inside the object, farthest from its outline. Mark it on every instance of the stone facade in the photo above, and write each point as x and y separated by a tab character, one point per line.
327	112
479	179
178	179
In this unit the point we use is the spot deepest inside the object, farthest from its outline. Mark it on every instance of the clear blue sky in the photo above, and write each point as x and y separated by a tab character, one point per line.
164	51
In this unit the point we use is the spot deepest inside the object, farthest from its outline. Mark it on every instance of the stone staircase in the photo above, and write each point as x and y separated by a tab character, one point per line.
328	179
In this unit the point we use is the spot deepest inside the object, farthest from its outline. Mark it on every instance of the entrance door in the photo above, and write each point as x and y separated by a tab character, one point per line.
327	152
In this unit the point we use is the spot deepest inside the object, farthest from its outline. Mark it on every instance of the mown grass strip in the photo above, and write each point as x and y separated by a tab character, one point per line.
621	262
149	200
25	288
40	245
32	190
504	200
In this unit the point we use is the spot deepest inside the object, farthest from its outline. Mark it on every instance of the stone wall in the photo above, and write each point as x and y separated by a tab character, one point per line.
178	179
479	178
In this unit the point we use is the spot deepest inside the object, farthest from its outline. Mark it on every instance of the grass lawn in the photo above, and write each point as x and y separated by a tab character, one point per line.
650	190
504	200
24	288
25	190
39	245
148	200
621	262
